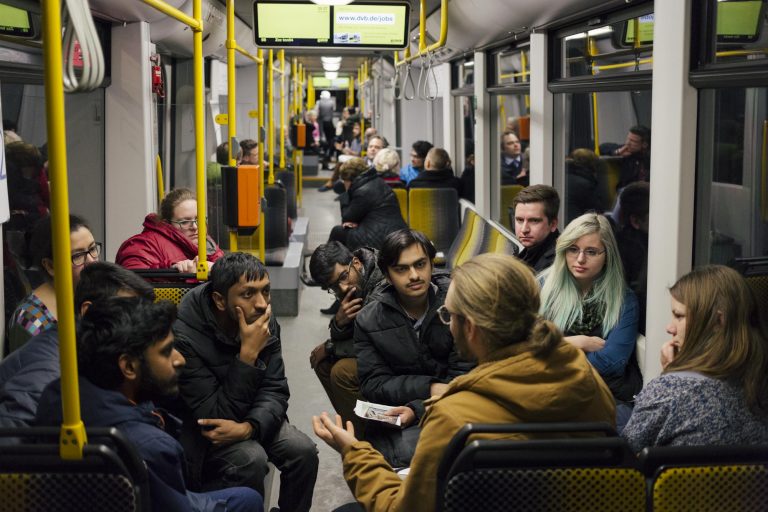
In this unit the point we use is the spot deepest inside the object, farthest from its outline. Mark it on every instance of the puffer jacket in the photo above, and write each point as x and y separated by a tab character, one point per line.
371	204
513	386
394	365
161	245
342	342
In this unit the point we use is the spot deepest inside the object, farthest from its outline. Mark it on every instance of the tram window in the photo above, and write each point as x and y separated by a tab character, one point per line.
510	134
741	31
512	67
616	48
731	195
465	130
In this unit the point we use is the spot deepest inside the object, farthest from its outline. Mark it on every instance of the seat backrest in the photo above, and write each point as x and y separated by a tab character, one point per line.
707	478
169	284
468	241
584	473
276	217
755	271
110	476
508	194
402	199
435	212
288	178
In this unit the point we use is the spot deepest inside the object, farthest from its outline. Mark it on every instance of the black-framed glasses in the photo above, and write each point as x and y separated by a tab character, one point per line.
335	288
444	315
187	223
80	258
589	252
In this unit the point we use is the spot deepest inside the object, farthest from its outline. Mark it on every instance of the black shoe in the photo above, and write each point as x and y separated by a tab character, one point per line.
324	188
333	309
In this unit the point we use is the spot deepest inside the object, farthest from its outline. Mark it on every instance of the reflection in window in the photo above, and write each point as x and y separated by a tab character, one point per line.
740	29
466	143
512	67
732	194
622	47
511	128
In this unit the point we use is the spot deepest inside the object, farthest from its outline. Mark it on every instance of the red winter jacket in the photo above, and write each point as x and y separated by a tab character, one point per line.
161	245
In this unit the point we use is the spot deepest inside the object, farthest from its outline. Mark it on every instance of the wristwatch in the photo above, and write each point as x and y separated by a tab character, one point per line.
330	350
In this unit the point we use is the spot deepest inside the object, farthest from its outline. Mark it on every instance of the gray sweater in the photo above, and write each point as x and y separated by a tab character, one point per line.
687	408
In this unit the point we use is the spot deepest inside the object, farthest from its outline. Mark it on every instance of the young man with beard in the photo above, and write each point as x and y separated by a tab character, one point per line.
126	359
404	353
350	277
235	387
526	373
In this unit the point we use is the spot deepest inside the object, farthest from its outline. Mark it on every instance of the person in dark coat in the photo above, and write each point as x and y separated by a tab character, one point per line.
632	239
534	215
26	371
351	277
369	208
513	170
234	384
126	360
405	354
584	191
437	172
635	156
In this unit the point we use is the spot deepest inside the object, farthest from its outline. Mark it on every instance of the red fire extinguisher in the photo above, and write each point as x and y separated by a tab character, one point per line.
157	76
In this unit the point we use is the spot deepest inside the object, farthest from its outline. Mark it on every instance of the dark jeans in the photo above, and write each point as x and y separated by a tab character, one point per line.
245	464
339	379
239	499
395	444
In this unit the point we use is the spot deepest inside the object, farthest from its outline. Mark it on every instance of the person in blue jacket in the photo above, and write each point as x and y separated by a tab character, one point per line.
126	359
419	152
585	295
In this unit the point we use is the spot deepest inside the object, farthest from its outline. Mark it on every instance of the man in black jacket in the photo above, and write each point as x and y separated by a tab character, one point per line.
535	220
234	383
437	172
405	354
350	277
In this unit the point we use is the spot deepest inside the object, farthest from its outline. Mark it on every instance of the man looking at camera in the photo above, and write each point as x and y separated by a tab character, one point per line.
234	384
351	278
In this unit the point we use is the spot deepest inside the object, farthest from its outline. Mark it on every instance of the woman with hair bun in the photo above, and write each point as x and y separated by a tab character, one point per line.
526	373
713	389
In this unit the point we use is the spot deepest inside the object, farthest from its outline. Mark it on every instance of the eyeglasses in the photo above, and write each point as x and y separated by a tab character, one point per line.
80	258
335	288
589	252
186	223
444	315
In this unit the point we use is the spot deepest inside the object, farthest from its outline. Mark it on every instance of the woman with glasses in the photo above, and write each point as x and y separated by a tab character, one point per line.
585	295
169	240
37	312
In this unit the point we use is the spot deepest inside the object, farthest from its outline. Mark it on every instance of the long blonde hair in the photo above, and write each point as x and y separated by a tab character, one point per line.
561	299
723	336
499	293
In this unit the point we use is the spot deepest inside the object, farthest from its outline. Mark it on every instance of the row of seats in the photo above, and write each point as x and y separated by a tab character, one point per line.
477	236
596	474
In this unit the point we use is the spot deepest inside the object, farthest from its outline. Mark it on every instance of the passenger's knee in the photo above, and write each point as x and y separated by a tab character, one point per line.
344	373
247	465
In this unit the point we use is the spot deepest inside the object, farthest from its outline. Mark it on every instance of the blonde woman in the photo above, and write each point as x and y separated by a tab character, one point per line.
387	164
585	295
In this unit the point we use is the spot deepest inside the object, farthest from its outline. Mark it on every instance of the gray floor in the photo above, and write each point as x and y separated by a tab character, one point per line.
299	336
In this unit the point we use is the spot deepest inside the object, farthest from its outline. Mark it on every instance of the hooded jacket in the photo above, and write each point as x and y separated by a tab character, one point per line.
394	364
215	383
161	245
342	337
144	428
371	204
513	387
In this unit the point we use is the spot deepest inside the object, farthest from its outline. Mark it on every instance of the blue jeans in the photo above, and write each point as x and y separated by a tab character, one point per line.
239	499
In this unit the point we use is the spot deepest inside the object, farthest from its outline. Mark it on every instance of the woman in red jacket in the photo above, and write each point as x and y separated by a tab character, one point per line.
170	239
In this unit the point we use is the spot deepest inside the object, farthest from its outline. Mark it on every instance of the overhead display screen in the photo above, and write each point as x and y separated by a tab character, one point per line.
381	25
14	22
739	22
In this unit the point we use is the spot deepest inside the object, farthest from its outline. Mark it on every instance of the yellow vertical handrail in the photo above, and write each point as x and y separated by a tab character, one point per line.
423	49
271	110
160	180
351	92
591	51
281	53
423	26
310	93
231	100
260	95
72	436
197	58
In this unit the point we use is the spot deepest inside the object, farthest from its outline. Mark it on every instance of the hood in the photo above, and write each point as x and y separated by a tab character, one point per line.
153	223
553	388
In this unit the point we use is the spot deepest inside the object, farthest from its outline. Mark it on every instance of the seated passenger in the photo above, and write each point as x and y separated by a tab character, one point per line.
632	239
468	175
369	208
584	294
535	219
351	278
584	191
513	170
348	148
386	164
526	374
234	384
169	240
437	172
25	373
713	388
37	312
419	152
404	353
126	359
636	156
375	144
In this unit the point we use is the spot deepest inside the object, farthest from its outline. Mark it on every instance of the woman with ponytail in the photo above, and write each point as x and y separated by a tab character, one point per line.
526	373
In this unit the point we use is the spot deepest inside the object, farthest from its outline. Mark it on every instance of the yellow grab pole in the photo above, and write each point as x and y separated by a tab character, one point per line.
72	436
282	108
422	26
195	23
592	50
231	85
260	95
310	93
351	92
160	182
202	228
271	110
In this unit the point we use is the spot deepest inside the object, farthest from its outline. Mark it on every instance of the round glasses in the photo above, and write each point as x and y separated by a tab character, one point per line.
186	223
444	315
589	252
80	258
335	288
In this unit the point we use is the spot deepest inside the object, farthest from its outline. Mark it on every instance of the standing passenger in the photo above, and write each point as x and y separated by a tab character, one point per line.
169	240
525	374
234	383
